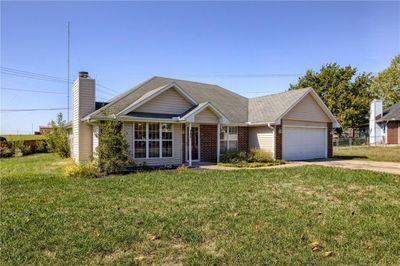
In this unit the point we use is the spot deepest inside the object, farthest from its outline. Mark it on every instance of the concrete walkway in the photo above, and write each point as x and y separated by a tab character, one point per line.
386	167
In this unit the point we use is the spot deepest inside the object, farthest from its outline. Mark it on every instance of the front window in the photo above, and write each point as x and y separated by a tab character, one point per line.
140	140
166	130
228	139
152	140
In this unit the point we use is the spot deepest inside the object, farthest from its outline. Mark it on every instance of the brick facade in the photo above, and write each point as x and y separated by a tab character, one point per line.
243	138
278	142
393	132
208	143
330	140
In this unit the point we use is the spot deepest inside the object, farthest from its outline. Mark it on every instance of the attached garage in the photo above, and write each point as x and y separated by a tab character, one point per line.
304	143
295	125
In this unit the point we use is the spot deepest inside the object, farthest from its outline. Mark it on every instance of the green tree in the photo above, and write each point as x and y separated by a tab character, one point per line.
112	151
386	84
346	93
58	138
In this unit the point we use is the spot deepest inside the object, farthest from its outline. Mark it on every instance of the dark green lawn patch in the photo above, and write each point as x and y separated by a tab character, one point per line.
267	216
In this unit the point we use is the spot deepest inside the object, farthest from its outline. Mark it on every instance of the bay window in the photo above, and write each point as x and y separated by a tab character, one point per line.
152	140
228	139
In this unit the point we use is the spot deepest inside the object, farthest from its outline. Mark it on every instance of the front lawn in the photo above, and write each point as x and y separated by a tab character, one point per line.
374	153
197	216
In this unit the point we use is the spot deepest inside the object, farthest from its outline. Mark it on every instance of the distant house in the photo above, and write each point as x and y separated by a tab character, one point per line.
44	130
384	125
169	122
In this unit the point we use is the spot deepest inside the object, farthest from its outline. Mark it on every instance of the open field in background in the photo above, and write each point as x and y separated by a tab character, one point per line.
23	137
197	217
374	153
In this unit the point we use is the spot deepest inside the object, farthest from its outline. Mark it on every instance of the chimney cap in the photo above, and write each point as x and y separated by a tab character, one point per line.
83	74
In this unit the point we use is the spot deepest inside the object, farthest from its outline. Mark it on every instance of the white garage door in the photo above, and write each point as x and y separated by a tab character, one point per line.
302	143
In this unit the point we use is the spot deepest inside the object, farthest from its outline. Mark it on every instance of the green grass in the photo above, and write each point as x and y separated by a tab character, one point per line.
199	217
23	137
374	153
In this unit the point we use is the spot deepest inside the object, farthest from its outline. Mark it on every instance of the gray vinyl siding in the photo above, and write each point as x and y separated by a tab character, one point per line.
261	138
168	102
206	117
128	132
307	110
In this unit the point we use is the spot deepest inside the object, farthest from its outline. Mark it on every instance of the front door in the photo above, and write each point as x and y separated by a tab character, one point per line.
195	143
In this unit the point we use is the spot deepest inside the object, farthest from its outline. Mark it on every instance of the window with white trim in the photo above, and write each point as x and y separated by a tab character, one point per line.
166	136
153	140
228	139
140	140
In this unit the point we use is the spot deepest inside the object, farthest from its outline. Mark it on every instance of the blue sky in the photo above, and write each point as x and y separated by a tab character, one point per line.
237	45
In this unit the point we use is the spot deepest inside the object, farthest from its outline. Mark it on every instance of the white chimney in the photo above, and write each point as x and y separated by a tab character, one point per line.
375	131
83	103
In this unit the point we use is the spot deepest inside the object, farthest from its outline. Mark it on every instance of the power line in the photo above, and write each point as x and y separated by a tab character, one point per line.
44	77
38	91
30	110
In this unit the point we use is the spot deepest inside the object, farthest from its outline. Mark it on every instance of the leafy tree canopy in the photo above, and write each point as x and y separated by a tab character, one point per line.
386	84
346	93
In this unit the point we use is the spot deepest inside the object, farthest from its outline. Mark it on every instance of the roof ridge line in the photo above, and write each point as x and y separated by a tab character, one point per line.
273	94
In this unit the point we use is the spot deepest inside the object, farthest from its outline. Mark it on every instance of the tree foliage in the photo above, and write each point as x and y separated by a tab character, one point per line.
58	138
346	93
386	84
112	151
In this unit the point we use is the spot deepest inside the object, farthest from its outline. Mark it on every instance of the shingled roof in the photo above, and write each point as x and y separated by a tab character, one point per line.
270	107
236	108
391	114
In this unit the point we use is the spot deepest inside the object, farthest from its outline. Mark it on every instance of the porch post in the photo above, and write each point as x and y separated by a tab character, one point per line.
218	141
190	144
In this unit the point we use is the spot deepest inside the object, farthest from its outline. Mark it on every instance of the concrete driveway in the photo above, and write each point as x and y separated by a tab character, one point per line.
386	167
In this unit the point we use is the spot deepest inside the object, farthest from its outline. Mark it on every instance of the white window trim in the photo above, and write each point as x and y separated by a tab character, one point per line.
147	140
227	138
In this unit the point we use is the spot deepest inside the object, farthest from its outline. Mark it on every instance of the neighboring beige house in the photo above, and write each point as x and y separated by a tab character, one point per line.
169	122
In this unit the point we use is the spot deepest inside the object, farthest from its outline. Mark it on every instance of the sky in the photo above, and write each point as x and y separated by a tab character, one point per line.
252	48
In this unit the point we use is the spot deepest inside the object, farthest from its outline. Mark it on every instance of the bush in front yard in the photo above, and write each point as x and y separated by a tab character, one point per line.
41	146
6	151
254	155
58	138
233	157
112	151
257	155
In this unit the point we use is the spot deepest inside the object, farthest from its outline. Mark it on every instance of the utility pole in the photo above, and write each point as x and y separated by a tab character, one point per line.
68	72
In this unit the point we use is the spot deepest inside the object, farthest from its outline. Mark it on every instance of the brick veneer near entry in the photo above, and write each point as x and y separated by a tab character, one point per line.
243	138
208	143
